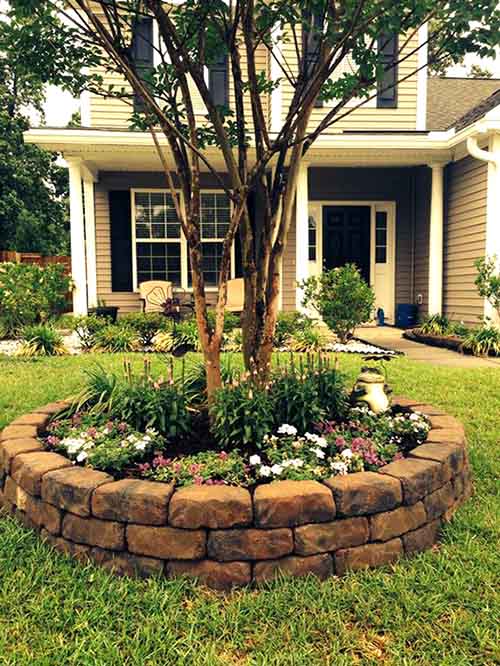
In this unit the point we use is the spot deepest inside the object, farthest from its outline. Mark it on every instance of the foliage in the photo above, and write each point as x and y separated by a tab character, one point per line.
186	335
88	329
116	338
30	294
164	341
41	340
146	325
287	324
478	72
4	329
488	280
205	468
231	320
341	297
436	325
459	329
233	341
108	445
484	340
308	339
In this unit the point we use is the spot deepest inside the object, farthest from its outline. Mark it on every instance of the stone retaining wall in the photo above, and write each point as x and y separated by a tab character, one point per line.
227	536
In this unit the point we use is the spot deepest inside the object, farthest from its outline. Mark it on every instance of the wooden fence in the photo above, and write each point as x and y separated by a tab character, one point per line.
33	258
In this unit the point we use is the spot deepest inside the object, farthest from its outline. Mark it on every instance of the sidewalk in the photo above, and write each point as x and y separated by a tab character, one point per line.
392	338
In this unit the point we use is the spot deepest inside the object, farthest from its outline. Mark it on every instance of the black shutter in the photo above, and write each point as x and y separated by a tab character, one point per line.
120	216
142	54
311	42
387	89
218	80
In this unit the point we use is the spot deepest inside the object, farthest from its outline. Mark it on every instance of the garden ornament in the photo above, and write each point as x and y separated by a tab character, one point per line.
371	390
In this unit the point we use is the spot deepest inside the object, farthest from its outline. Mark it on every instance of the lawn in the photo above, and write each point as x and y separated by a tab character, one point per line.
438	609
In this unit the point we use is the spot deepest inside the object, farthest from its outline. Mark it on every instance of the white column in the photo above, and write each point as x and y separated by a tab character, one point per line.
276	74
302	232
436	241
493	214
90	242
77	234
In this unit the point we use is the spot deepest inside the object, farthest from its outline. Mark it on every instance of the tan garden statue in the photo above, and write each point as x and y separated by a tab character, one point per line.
371	390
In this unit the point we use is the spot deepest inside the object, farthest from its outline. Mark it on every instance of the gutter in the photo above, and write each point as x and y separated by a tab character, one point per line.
481	154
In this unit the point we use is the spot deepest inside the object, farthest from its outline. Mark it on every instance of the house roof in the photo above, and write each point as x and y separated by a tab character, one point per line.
451	100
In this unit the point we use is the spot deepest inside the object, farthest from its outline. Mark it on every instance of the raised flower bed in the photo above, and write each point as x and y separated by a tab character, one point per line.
227	535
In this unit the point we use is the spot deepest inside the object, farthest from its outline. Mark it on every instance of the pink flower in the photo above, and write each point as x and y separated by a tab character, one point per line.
52	440
122	427
398	456
209	482
340	442
76	419
194	469
198	480
176	467
223	455
144	467
160	461
92	432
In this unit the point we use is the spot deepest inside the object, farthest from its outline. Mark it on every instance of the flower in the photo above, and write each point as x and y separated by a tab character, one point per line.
339	467
319	453
83	455
347	453
286	429
223	455
265	470
254	460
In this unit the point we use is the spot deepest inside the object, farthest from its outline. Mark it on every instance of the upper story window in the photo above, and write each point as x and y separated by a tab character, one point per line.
218	80
142	53
387	93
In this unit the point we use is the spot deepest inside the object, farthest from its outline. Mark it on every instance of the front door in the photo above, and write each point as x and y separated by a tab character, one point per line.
346	237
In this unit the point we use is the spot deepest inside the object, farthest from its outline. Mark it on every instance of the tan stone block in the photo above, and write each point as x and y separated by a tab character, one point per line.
249	544
94	532
10	448
18	432
385	526
428	410
166	542
418	477
369	555
439	501
71	488
423	538
133	501
289	503
318	565
33	419
324	537
216	575
449	455
53	408
446	436
44	515
448	422
364	493
210	506
124	564
27	469
14	494
403	401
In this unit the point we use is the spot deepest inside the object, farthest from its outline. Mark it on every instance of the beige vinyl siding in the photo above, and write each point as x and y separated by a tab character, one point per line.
464	238
404	117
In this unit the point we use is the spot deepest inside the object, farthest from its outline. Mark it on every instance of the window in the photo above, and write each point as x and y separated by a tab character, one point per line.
218	83
160	247
381	237
158	238
312	238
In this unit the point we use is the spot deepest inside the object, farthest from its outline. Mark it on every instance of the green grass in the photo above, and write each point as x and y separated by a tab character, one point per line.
438	609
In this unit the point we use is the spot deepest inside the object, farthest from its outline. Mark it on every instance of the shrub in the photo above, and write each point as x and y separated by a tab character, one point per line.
233	341
146	325
484	340
41	340
30	294
289	323
164	342
308	339
459	329
115	338
88	329
488	280
185	335
205	468
231	320
436	325
4	329
341	297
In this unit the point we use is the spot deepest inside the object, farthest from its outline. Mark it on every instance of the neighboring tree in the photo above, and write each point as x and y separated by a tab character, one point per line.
488	281
260	166
33	188
478	72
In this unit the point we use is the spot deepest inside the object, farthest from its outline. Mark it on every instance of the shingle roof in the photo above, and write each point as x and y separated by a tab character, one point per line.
478	111
451	100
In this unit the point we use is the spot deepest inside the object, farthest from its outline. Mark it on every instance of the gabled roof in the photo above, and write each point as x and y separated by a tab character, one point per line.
450	100
478	111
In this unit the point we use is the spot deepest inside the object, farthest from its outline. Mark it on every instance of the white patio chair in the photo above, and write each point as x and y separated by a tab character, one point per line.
154	293
235	295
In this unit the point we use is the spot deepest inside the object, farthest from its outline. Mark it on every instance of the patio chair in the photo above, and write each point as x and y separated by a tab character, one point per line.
235	295
154	293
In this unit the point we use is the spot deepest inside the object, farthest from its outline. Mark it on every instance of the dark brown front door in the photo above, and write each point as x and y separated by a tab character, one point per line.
346	237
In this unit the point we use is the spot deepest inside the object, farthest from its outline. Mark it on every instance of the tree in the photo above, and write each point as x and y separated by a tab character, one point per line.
194	34
33	188
479	72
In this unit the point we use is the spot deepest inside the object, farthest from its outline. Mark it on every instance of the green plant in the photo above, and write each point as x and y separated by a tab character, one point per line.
30	294
308	339
435	325
115	338
484	340
185	334
164	341
146	325
341	297
458	328
41	340
88	329
231	320
4	329
289	323
233	341
488	280
205	468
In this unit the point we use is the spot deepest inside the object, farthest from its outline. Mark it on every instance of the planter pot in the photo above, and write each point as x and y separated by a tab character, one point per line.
110	312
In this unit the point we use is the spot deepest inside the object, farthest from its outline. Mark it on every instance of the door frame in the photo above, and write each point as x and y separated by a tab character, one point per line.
316	267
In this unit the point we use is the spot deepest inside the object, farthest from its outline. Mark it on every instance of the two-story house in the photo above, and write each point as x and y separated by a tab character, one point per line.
407	186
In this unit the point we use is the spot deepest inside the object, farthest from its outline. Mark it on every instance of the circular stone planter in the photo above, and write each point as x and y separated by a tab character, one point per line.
224	535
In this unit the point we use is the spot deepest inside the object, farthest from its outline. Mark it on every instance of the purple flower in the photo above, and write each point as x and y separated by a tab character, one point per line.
160	461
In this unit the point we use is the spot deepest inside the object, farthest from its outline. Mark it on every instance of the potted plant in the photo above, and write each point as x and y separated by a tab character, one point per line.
103	310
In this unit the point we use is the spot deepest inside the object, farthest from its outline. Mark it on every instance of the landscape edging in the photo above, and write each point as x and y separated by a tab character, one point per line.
224	535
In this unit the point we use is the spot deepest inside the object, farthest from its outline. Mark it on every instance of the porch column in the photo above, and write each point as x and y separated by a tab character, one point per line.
88	193
77	235
493	214
436	240
302	233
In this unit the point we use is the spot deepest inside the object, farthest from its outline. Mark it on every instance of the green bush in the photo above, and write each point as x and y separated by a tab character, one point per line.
115	338
4	329
459	329
146	325
231	320
30	294
488	280
342	298
483	341
287	324
41	340
308	339
435	325
88	329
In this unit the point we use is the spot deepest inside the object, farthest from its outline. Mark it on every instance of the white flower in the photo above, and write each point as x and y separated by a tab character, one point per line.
140	445
254	460
340	467
276	469
319	453
286	429
414	417
319	441
81	456
346	453
265	470
297	462
73	445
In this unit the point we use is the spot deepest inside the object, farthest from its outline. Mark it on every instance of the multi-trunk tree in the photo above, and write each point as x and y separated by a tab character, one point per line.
261	166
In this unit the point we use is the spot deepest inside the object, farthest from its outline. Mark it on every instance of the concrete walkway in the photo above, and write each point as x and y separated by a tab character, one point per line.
392	338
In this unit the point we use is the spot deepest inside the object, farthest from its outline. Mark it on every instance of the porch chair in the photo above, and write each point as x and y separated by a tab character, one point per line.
235	295
154	293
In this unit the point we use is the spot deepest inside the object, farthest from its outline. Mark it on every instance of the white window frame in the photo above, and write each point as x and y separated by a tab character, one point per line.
184	248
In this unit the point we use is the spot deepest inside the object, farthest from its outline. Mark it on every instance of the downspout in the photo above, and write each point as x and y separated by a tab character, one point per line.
480	154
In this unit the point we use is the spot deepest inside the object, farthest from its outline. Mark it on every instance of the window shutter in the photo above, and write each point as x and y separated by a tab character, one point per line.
142	53
387	97
218	80
311	44
120	217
